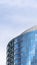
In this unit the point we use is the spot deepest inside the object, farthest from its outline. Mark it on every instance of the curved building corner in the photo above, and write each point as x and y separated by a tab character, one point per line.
22	50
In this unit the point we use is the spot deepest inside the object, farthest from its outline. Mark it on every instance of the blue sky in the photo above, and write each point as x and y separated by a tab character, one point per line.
15	17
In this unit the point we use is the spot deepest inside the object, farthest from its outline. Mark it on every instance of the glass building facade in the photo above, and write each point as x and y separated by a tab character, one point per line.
22	50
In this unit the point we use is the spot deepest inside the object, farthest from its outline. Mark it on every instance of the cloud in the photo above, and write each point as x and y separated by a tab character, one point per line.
20	3
2	57
19	15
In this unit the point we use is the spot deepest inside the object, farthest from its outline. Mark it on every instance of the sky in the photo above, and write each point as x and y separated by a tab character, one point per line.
15	17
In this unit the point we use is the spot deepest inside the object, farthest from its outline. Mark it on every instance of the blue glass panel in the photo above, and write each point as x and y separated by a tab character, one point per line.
28	49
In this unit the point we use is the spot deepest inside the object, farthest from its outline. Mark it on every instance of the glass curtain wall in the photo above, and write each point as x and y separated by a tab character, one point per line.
25	49
22	50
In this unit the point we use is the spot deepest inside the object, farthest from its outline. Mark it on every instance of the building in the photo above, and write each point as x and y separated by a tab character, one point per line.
22	50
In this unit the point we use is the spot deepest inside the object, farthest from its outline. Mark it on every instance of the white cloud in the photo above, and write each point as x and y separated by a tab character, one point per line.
20	3
2	57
